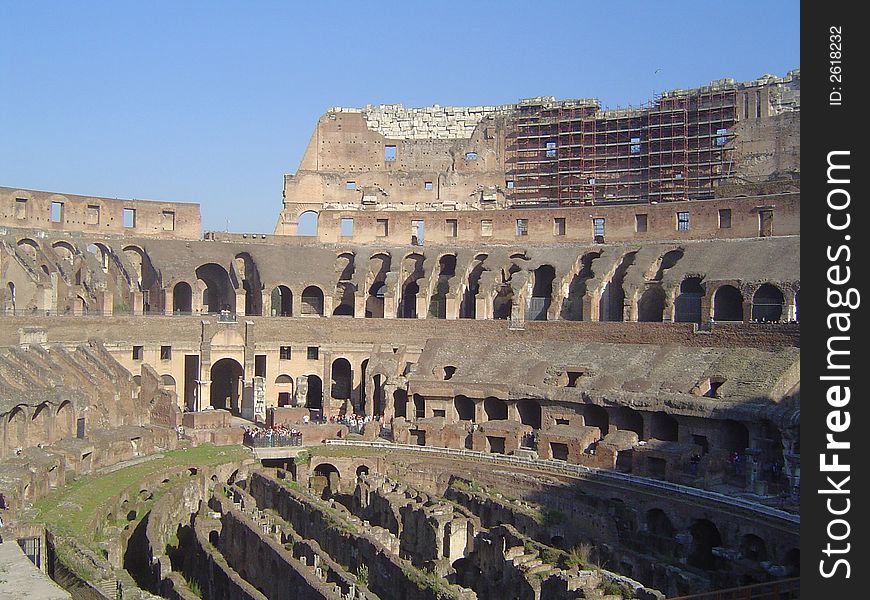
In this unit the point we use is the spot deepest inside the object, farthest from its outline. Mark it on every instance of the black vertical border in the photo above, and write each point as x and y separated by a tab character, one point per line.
827	127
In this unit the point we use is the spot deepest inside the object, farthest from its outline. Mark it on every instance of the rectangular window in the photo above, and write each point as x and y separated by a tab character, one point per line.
57	212
383	227
471	156
346	227
635	145
452	228
259	365
682	221
92	217
129	218
427	185
389	153
510	184
522	227
439	413
598	228
724	218
285	353
559	226
168	220
721	137
165	352
486	228
551	149
137	352
313	352
350	185
21	208
640	222
417	228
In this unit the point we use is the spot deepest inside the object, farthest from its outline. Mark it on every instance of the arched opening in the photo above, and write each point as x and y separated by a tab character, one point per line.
664	427
135	260
705	537
227	376
40	423
344	266
412	266
326	480
659	525
11	287
344	300
464	408
468	305
282	302
438	301
219	293
573	306
611	306
64	420
727	304
596	416
284	387
495	409
687	305
734	436
307	224
362	470
64	251
312	301
16	428
530	413
400	403
419	406
245	269
542	293
342	379
651	306
379	267
101	253
753	547
28	248
767	304
167	382
314	395
182	298
503	303
627	419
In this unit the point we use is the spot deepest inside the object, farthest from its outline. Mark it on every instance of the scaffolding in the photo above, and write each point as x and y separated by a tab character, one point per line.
572	153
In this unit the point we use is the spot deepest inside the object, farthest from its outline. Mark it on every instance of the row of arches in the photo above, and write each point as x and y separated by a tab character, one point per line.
25	426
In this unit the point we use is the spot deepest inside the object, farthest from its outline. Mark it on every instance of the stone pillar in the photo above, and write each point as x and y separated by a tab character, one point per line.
513	412
240	303
479	412
296	301
106	303
451	310
359	301
422	305
137	302
482	307
169	300
390	306
747	311
203	398
327	305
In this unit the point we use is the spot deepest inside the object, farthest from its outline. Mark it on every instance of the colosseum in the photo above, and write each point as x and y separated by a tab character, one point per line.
531	351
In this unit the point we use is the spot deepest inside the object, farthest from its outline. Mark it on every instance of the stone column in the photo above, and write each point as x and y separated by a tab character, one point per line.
169	300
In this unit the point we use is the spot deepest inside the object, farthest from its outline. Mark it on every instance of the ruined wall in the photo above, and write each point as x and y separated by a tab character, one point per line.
33	209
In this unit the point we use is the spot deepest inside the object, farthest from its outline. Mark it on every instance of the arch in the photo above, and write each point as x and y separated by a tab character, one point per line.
753	547
284	379
768	303
136	257
342	379
284	386
687	305
362	470
17	428
282	301
727	304
530	413
651	306
102	253
379	266
734	436
705	537
419	406
307	223
182	298
596	416
28	247
495	409
412	266
167	381
219	294
468	305
246	272
464	408
400	403
64	419
542	293
438	301
664	427
345	299
611	306
627	419
64	250
658	524
344	266
326	480
227	376
503	303
314	395
312	301
574	305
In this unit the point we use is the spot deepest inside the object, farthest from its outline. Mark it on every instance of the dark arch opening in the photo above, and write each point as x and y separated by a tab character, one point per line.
344	294
628	419
326	480
530	413
312	301
596	416
651	306
734	436
468	306
542	293
413	266
342	379
227	376
687	305
659	525
362	470
400	403
438	301
464	408
379	266
495	409
753	547
182	298
611	307
314	395
503	303
767	304
219	293
573	307
727	304
246	270
705	537
282	302
664	427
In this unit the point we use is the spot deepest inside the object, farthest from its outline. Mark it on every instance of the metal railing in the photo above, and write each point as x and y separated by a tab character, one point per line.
585	472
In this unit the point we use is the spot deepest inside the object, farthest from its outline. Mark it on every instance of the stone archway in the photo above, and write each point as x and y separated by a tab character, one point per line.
227	377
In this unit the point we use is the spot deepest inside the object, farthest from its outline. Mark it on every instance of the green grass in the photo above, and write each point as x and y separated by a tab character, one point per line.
70	509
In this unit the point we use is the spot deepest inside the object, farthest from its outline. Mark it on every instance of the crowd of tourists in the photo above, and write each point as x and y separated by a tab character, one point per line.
268	437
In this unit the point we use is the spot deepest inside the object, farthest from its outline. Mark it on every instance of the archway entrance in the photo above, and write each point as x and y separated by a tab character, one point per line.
227	376
314	396
182	298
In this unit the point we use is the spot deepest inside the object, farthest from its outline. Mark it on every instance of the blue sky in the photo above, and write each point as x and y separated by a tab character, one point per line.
212	102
